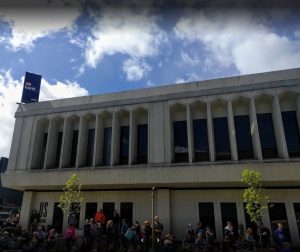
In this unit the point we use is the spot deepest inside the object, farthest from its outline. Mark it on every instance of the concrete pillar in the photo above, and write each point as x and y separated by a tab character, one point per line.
210	131
98	147
254	130
82	142
51	145
156	136
278	129
163	209
231	128
115	140
190	133
66	143
26	209
169	134
218	220
132	138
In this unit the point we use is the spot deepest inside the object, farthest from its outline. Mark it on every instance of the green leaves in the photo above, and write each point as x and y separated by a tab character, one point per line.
71	199
254	196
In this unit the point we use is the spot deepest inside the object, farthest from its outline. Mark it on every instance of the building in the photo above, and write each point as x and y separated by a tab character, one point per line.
191	141
10	199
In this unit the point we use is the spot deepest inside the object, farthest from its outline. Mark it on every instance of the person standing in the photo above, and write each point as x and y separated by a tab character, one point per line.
100	217
70	237
146	236
280	235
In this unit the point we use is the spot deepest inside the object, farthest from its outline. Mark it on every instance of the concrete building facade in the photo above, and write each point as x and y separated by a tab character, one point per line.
190	141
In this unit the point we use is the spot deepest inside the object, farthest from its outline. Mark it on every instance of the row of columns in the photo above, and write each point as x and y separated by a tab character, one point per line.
84	124
277	124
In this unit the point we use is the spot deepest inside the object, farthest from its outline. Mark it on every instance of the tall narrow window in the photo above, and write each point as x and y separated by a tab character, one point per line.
90	210
90	147
291	131
267	135
142	144
180	142
108	210
222	144
200	140
74	148
43	154
206	214
58	149
124	145
106	146
277	213
229	213
58	217
243	137
126	211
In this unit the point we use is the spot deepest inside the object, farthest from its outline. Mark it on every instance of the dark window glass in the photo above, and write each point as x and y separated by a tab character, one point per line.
126	211
124	145
222	144
142	144
58	149
277	213
43	154
106	146
297	214
180	142
267	135
90	147
229	213
74	147
75	215
206	214
90	210
250	223
200	140
291	131
108	210
58	217
243	137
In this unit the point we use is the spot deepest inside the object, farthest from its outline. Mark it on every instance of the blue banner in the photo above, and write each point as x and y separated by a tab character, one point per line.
31	88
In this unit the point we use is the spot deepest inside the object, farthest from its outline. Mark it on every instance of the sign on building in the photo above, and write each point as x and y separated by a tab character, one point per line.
31	88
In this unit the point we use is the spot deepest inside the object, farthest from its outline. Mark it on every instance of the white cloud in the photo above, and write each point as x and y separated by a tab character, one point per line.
37	21
10	93
124	31
135	69
189	77
240	39
189	59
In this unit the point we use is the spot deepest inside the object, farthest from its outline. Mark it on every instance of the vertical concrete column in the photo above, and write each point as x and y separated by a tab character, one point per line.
82	142
132	138
156	137
231	128
254	130
169	134
28	200
51	145
163	208
278	128
210	131
190	133
66	143
98	147
115	140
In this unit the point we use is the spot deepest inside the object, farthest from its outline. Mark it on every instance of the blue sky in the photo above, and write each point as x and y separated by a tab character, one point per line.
93	47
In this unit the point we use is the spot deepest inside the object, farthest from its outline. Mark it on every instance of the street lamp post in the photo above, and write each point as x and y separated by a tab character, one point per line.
152	217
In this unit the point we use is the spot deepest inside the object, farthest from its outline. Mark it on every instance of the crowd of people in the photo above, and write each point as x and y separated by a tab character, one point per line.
100	234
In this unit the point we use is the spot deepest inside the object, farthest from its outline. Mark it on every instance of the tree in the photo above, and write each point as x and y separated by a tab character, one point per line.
70	201
254	196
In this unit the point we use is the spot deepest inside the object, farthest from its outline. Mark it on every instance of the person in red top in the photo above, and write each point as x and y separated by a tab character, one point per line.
100	217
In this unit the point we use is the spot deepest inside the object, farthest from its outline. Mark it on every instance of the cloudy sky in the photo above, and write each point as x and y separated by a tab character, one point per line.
93	47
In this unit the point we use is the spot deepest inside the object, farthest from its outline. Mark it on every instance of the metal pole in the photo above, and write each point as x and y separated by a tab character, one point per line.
152	217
